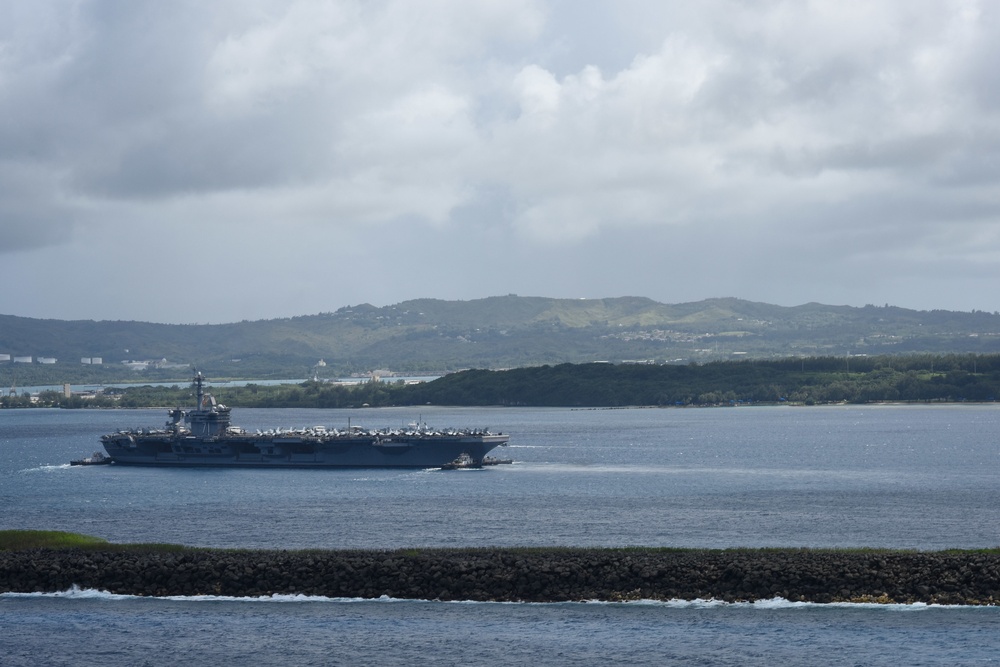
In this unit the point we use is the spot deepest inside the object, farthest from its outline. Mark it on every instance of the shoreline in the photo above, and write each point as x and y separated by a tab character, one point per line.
517	574
574	408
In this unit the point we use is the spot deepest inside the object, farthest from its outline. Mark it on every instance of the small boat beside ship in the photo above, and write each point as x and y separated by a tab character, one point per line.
465	461
204	436
95	459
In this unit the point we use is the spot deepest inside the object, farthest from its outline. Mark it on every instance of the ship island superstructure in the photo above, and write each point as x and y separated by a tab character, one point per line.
204	436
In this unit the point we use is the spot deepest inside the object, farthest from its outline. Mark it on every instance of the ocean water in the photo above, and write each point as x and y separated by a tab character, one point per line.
920	477
96	629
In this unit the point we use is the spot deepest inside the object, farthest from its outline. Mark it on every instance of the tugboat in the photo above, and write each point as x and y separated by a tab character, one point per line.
465	461
95	459
204	436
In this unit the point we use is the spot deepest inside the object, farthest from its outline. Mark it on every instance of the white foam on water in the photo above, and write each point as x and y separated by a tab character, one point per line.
777	603
49	468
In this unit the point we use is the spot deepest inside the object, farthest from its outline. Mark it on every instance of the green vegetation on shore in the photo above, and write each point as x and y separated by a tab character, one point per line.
808	381
13	540
19	540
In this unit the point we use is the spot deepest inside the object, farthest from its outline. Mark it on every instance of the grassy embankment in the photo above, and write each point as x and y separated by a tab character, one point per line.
17	540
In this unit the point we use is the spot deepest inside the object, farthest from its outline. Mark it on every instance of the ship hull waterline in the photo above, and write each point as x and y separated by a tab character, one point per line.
240	453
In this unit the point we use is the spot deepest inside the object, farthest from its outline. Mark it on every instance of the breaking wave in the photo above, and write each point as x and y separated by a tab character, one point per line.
77	593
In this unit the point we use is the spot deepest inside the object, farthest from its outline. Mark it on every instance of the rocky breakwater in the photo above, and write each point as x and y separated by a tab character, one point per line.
539	575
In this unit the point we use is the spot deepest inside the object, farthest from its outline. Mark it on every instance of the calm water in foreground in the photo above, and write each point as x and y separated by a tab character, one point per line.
894	476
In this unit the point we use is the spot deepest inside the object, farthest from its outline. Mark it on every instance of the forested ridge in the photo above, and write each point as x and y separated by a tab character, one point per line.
432	336
808	381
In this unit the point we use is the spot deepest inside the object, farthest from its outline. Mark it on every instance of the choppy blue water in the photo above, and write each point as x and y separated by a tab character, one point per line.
923	477
105	630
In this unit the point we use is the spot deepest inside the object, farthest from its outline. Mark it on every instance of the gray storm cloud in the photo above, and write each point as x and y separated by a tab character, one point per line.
778	151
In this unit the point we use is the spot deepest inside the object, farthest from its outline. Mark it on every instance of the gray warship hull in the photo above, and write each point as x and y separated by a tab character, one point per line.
203	436
345	451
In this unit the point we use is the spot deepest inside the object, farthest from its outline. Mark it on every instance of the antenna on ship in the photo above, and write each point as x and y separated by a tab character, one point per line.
198	379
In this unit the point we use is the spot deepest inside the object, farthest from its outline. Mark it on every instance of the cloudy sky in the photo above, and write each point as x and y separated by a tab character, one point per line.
217	161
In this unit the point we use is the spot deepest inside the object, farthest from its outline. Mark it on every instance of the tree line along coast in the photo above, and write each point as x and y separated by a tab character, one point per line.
800	381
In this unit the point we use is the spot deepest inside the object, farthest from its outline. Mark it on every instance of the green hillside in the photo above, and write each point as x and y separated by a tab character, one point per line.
432	335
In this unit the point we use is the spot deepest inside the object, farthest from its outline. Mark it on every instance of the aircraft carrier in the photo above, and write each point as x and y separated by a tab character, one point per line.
204	436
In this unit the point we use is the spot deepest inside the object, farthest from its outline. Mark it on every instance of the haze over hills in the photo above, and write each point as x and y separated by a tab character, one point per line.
499	332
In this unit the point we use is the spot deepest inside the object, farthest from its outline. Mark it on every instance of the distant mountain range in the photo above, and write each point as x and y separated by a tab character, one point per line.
431	335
